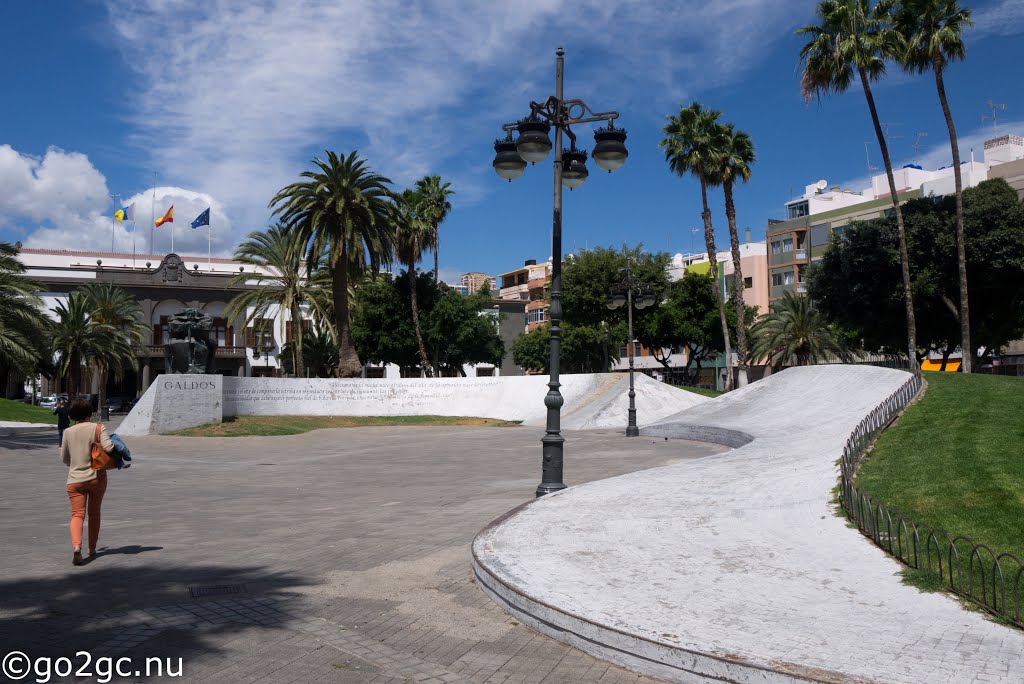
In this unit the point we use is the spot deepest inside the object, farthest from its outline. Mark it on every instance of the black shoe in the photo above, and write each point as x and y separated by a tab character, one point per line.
76	558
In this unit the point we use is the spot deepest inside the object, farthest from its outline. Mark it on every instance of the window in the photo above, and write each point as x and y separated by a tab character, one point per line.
839	232
748	282
624	352
776	247
819	235
798	209
776	279
260	334
787	278
536	316
787	245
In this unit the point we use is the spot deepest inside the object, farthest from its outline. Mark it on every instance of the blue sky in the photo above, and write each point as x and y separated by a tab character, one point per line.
221	104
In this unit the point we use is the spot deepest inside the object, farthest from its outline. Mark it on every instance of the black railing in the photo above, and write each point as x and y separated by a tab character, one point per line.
988	577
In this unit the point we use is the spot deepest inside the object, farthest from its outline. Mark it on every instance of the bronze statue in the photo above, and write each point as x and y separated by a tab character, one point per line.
190	348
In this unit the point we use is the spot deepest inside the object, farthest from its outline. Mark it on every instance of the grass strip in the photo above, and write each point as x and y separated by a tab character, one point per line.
270	426
21	412
955	460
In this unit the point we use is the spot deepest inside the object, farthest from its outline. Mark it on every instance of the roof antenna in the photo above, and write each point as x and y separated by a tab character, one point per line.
867	155
993	107
917	144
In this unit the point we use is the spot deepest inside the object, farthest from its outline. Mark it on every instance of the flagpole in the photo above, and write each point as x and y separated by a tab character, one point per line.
117	206
172	237
152	216
135	229
209	246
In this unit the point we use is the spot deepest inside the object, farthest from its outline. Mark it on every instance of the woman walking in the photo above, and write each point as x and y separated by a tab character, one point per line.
85	485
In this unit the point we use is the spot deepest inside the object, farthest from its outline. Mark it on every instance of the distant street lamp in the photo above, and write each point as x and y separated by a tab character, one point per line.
268	346
511	157
624	295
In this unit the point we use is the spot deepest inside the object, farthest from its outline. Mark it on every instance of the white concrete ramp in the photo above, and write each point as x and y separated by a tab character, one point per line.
734	567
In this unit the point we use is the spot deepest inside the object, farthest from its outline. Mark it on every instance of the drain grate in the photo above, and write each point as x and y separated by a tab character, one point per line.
217	590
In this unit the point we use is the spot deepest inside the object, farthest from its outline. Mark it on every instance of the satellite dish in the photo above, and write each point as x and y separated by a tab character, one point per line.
822	184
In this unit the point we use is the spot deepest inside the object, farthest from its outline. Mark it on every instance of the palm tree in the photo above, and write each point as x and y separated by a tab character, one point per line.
433	208
737	156
80	339
22	323
282	280
794	329
693	143
345	212
412	234
852	39
116	308
932	33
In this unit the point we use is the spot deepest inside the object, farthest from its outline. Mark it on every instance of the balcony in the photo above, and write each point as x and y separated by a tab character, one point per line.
157	350
801	255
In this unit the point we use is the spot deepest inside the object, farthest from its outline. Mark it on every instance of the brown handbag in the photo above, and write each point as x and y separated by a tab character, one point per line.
101	460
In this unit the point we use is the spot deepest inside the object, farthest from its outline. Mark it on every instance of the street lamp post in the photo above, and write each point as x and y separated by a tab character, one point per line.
511	157
617	299
268	347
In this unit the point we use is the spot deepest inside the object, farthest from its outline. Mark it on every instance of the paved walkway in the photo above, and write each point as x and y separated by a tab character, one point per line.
735	567
351	548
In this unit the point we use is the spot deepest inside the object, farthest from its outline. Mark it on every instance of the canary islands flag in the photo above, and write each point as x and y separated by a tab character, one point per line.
166	218
125	213
203	219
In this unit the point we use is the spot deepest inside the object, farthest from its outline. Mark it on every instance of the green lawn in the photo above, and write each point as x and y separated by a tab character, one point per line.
247	426
25	413
955	460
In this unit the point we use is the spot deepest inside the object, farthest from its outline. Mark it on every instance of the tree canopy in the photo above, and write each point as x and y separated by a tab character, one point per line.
857	282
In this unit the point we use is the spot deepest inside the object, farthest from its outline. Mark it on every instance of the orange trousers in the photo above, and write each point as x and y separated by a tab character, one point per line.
87	496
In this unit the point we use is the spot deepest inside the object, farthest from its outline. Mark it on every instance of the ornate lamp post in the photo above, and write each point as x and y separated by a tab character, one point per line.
624	295
511	157
268	347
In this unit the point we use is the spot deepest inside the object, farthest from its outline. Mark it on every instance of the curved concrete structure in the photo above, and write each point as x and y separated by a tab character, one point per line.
735	567
592	400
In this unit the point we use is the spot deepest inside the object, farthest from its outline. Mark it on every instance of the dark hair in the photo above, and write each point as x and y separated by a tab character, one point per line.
81	409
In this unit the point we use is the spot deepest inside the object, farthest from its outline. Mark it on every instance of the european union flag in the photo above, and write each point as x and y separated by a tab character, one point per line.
203	219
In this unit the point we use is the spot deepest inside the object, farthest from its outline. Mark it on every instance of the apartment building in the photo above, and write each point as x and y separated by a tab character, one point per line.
530	284
474	282
823	210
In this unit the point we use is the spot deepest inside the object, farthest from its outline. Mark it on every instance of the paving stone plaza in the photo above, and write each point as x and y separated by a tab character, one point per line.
350	550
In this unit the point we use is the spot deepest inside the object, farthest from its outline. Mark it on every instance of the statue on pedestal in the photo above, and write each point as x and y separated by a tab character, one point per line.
190	348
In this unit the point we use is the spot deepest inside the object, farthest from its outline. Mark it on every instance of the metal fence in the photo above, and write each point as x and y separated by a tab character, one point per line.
971	570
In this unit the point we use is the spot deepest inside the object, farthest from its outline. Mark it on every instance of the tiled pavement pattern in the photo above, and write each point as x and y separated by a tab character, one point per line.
352	547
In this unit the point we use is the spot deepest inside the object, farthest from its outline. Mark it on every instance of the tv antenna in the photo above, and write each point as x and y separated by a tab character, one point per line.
889	137
917	144
993	108
867	155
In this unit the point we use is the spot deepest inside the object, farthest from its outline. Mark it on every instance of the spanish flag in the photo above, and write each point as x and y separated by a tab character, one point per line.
166	218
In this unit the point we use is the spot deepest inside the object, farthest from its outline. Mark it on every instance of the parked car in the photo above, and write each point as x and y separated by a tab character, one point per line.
48	402
118	405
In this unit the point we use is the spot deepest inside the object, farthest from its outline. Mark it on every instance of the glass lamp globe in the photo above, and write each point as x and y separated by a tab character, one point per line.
507	162
533	143
574	168
610	149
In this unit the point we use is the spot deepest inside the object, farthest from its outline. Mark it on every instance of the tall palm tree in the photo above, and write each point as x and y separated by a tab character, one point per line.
22	321
736	159
794	330
81	340
346	213
852	40
282	280
433	208
116	308
932	37
693	143
412	235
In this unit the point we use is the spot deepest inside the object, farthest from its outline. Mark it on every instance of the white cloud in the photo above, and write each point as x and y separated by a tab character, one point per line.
1001	18
244	94
63	201
48	188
